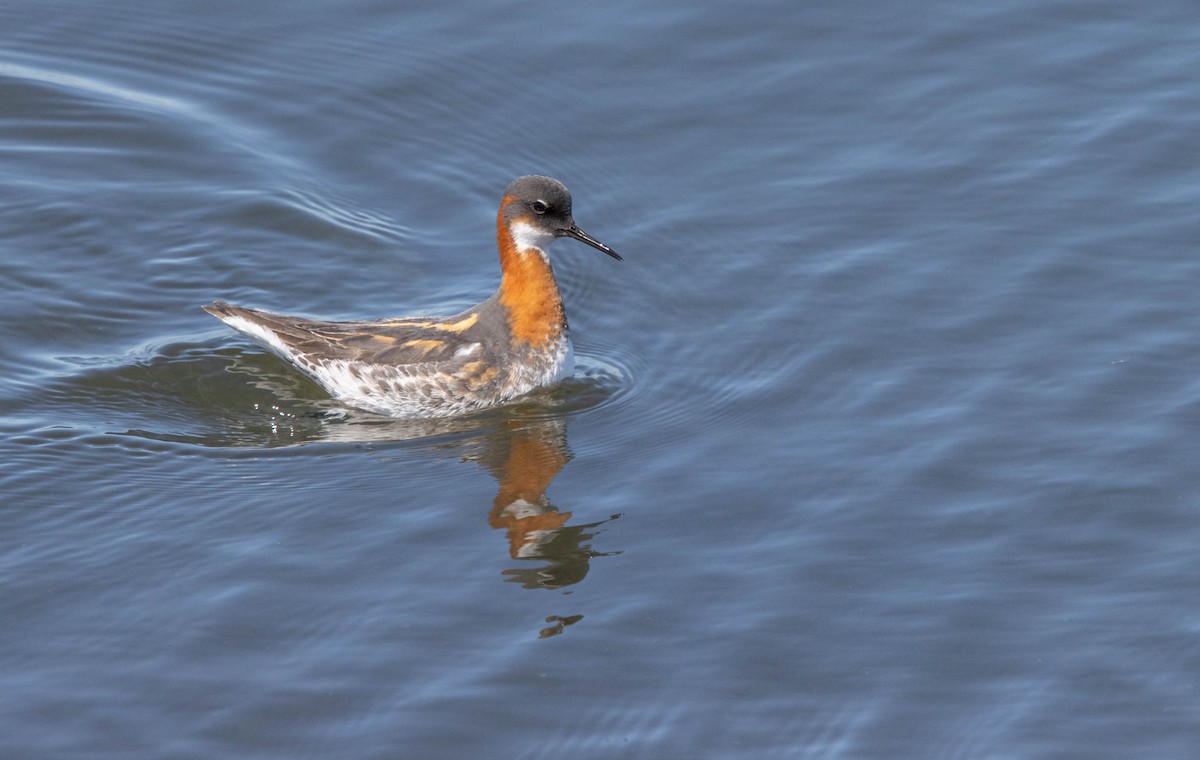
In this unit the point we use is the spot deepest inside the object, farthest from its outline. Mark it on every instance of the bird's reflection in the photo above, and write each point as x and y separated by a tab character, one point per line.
525	457
523	446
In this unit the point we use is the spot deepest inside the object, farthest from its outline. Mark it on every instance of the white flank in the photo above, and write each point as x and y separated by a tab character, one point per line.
261	335
566	362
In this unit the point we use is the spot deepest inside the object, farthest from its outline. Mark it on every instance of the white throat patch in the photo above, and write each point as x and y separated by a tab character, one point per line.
526	236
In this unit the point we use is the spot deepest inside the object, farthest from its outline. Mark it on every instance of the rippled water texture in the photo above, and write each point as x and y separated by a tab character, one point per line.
884	440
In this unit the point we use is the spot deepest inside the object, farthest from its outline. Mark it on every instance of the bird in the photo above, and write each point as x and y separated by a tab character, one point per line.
514	342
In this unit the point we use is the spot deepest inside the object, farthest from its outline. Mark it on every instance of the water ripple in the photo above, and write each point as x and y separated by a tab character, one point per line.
211	397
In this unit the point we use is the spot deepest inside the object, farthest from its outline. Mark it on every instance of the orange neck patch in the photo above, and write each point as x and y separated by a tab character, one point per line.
528	290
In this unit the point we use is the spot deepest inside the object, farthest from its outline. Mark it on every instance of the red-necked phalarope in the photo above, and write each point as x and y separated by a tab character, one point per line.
510	344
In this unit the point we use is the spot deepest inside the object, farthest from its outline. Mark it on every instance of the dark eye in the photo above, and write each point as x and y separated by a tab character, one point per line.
539	207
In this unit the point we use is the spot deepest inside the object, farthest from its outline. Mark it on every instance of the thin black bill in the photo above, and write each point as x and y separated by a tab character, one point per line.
583	237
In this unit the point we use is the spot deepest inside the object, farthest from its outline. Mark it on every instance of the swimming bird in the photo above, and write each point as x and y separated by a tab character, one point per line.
508	345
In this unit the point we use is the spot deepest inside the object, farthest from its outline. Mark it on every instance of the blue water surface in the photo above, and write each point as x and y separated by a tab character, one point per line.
884	439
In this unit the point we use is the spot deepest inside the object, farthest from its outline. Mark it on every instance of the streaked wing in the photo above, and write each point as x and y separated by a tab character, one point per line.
386	342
